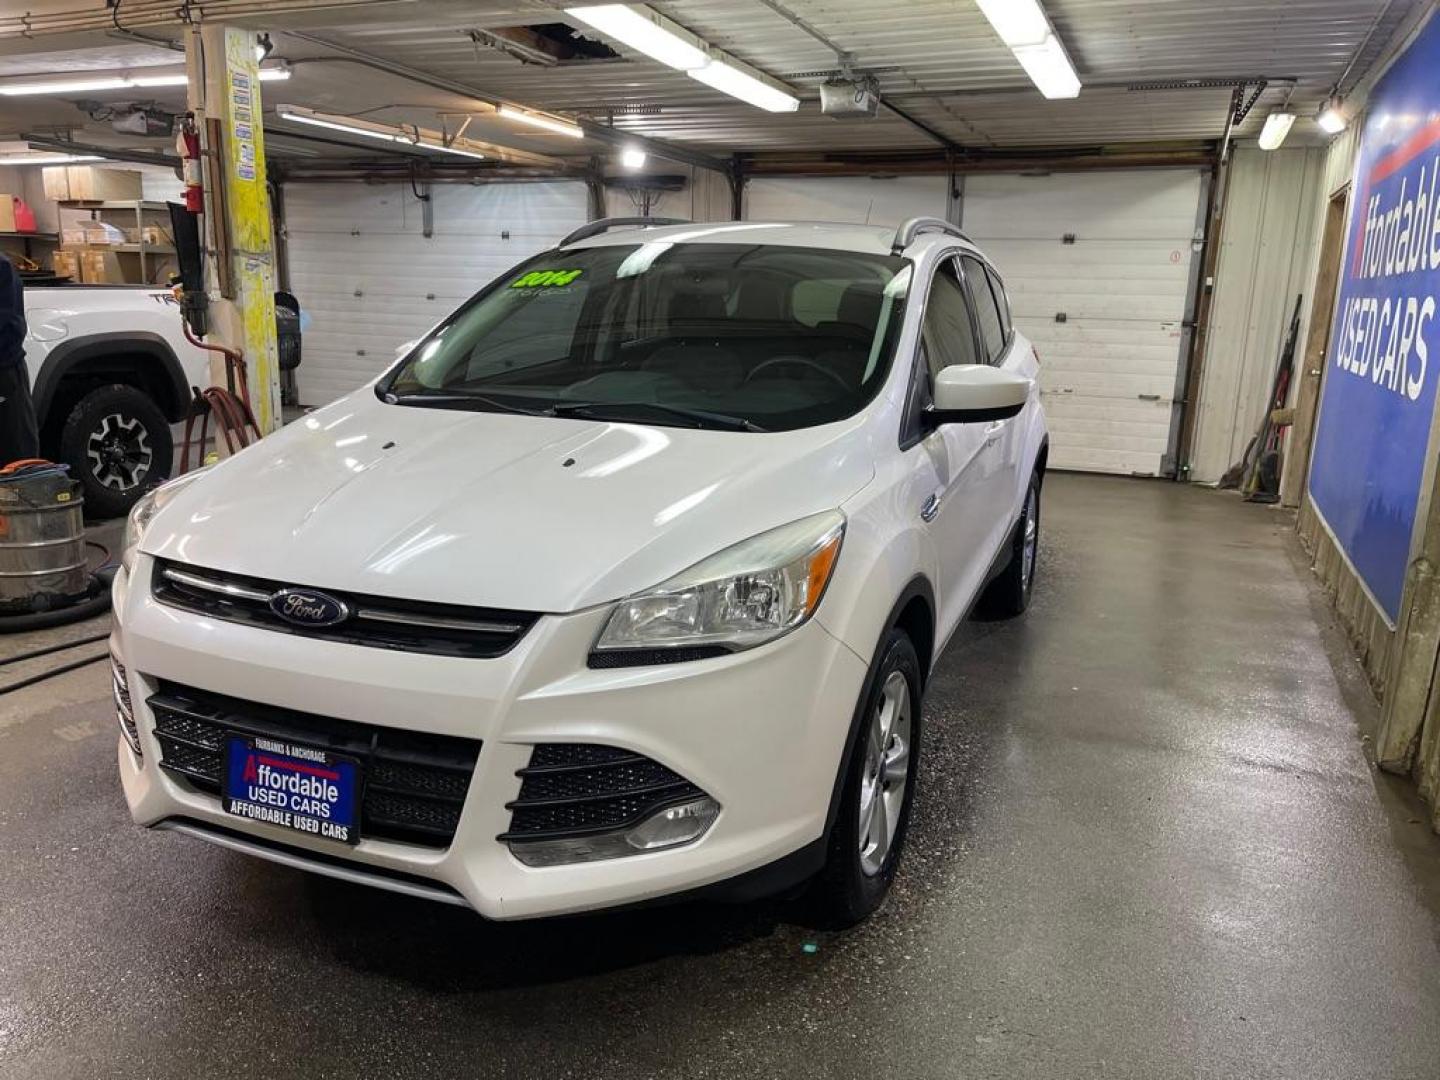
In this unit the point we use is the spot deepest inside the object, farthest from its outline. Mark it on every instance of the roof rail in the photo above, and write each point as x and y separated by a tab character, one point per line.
906	234
595	228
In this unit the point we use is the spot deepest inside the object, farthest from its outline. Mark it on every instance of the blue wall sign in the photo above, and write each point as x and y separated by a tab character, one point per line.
1379	385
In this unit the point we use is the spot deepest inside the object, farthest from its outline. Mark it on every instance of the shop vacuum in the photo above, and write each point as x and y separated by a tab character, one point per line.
45	578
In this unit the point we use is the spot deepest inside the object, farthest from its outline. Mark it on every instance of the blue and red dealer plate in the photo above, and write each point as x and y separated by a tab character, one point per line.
302	788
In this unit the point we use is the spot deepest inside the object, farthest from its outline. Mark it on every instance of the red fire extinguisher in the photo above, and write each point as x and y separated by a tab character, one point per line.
187	142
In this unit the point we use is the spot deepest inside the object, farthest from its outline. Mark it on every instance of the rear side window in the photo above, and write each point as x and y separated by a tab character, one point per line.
991	328
947	335
1001	300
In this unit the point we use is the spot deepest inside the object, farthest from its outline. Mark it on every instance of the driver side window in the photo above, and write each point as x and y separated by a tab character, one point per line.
948	333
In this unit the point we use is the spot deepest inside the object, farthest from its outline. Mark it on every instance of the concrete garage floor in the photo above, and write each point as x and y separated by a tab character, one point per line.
1149	845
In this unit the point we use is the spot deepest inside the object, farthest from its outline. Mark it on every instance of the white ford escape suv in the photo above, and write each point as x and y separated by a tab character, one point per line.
625	582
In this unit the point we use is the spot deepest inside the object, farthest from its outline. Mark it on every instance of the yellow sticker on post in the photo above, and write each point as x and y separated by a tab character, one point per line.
540	279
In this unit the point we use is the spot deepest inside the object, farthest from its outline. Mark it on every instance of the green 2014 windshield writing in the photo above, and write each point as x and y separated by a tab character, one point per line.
537	279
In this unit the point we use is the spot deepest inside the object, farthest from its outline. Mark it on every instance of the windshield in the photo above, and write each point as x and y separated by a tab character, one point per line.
733	336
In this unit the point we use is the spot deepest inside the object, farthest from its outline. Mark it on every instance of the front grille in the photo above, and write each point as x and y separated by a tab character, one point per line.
573	789
375	621
415	783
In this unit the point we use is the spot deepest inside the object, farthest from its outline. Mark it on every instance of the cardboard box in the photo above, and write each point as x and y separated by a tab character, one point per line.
7	212
92	182
72	235
56	179
100	232
66	264
100	268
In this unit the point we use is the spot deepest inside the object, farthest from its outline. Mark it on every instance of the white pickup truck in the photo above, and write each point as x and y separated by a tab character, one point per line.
111	371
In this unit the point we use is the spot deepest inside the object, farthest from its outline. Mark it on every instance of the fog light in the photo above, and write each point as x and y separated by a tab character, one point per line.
120	688
667	828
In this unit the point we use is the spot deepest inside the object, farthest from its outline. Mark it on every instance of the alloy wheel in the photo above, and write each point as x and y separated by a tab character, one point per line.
885	774
119	452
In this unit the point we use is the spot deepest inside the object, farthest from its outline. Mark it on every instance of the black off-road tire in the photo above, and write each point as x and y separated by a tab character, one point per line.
117	443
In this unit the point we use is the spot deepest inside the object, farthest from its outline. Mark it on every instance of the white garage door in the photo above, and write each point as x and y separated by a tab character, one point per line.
370	279
859	199
1098	267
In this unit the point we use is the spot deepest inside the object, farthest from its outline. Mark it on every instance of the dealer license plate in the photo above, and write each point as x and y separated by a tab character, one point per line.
295	787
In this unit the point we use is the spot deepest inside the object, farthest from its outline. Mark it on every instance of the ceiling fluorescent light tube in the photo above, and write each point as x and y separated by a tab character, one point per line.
1018	22
62	86
546	122
289	112
1277	126
49	159
1049	68
632	157
739	84
158	80
644	31
274	74
459	151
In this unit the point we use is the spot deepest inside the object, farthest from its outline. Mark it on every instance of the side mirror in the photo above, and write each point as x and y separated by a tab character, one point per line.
976	393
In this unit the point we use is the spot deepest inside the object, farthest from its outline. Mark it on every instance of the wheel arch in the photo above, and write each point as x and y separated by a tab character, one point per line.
113	357
914	612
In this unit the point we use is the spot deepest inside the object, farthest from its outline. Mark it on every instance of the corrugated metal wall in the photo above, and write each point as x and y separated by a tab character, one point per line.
1267	257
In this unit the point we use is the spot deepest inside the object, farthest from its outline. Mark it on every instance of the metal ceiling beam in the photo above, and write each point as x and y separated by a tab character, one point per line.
143	157
655	147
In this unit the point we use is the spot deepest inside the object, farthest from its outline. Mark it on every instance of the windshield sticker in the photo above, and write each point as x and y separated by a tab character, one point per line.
545	279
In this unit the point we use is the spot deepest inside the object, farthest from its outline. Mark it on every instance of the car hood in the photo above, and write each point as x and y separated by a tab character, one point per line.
497	510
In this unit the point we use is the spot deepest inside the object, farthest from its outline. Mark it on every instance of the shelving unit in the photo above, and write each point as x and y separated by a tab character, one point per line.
9	241
108	210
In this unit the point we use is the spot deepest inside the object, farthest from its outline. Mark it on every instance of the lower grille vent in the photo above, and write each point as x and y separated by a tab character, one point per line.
573	789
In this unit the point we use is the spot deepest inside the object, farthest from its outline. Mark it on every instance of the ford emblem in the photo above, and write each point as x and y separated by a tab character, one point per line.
305	607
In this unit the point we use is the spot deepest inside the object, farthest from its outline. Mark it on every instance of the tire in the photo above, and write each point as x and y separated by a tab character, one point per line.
1009	594
117	443
857	875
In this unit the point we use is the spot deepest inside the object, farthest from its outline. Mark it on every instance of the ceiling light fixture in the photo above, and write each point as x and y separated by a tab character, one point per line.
97	83
1018	22
63	86
632	157
645	31
1277	126
649	32
549	123
49	159
752	89
306	116
405	135
1331	118
1024	27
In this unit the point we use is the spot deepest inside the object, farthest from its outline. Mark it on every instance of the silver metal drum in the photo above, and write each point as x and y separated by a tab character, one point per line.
42	542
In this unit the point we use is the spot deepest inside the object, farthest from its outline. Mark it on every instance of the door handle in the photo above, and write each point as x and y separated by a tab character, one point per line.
930	508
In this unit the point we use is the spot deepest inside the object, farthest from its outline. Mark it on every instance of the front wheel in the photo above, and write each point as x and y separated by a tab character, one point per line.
117	443
877	794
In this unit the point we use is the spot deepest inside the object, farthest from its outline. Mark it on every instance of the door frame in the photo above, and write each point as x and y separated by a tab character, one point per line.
1295	474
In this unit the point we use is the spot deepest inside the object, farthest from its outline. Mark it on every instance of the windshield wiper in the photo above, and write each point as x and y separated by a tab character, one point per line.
607	410
441	399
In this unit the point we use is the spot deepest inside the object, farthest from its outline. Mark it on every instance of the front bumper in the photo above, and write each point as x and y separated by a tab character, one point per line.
762	732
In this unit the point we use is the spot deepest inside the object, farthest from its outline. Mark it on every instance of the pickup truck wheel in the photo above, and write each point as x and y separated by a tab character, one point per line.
877	792
117	443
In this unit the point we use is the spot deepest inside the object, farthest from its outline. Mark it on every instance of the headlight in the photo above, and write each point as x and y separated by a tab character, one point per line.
144	511
739	598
